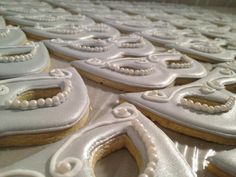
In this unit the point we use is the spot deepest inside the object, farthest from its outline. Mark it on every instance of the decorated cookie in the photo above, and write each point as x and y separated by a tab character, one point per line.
12	36
160	15
20	60
132	45
72	32
34	108
121	127
24	10
204	50
203	109
223	164
101	16
164	36
47	20
158	70
215	31
187	23
86	9
161	37
132	24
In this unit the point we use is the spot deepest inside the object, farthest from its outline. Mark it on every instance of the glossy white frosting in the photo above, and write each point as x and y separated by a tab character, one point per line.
71	32
80	49
212	51
41	118
24	60
211	87
146	72
71	157
11	36
48	20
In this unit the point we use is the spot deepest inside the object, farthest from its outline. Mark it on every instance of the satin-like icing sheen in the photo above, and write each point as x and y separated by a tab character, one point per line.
209	122
50	20
43	119
160	74
15	36
36	64
85	32
114	50
223	56
71	157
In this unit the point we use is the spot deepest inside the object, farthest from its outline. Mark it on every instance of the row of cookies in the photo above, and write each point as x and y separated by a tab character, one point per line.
22	56
37	99
27	86
208	22
164	34
209	109
65	165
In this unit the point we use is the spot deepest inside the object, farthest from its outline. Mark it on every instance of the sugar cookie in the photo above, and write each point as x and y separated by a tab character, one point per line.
121	127
131	45
215	31
203	109
42	108
132	24
203	50
72	32
48	20
158	70
23	60
164	36
21	10
223	164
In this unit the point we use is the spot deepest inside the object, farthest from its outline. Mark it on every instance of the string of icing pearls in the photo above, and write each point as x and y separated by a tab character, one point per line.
90	45
151	166
100	28
185	64
60	98
71	166
61	29
135	42
188	103
134	72
20	57
126	112
42	18
205	47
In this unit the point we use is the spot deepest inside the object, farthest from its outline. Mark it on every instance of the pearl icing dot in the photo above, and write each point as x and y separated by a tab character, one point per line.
64	168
